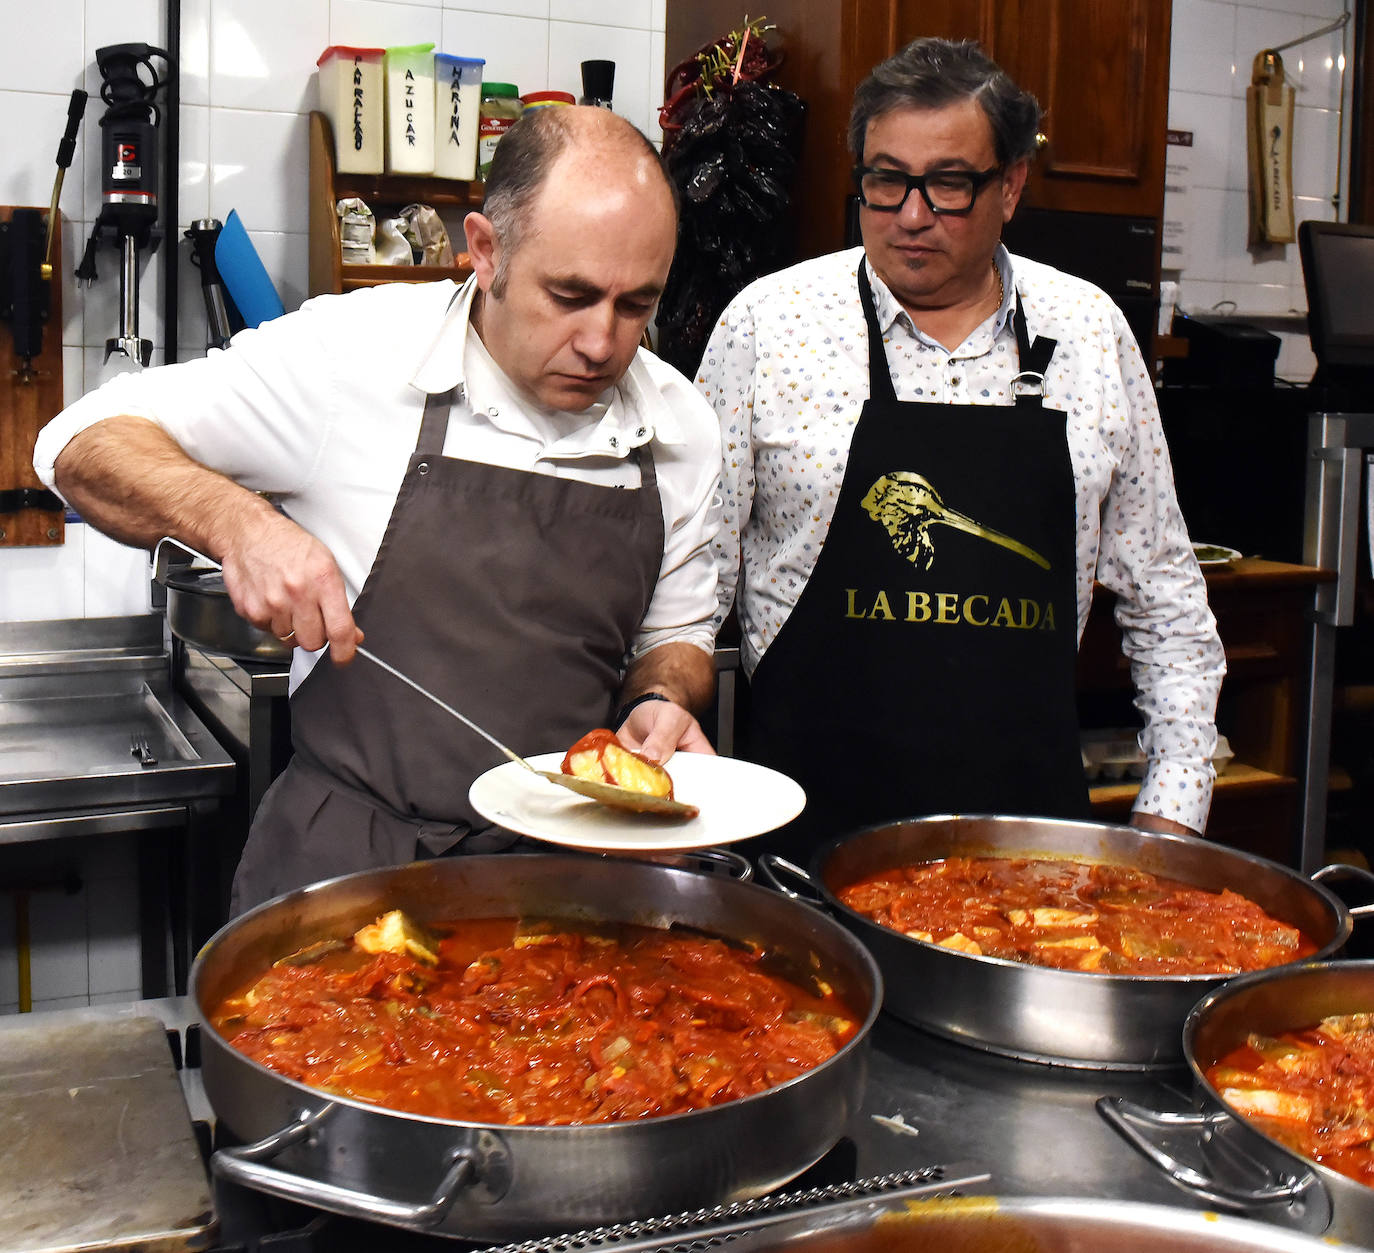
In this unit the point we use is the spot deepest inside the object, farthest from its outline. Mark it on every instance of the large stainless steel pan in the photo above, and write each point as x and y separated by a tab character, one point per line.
493	1182
1227	1161
984	1224
1032	1012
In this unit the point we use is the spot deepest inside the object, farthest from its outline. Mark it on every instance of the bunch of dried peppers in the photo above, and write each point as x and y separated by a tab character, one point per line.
731	139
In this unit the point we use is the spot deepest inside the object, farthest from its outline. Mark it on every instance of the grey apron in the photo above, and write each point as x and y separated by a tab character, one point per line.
511	595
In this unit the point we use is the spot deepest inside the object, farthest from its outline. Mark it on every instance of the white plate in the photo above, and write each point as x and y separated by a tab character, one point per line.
1215	554
737	799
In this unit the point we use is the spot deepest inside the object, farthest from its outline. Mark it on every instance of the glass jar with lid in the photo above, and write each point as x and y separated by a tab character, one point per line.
543	99
501	106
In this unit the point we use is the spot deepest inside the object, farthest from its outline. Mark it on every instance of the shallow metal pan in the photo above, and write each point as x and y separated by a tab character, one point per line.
985	1224
1032	1012
492	1182
1219	1156
200	611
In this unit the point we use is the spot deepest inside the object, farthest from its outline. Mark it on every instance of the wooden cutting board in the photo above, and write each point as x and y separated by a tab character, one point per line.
26	404
97	1153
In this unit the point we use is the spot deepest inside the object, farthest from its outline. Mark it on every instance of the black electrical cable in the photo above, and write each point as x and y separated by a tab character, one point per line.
171	177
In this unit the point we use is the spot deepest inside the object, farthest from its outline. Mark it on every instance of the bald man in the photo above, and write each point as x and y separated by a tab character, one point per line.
491	482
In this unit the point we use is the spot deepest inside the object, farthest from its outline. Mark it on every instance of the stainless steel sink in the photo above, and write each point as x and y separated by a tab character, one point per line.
75	698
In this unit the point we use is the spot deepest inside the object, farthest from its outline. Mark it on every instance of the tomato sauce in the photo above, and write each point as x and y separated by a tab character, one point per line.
1311	1090
1076	916
564	1023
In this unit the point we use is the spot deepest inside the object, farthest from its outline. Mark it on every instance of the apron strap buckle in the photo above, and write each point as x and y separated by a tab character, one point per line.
1028	385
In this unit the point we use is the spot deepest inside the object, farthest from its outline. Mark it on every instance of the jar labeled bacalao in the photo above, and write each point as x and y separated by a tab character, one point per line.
501	105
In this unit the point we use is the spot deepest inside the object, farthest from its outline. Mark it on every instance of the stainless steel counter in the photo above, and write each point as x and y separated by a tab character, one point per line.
94	740
75	698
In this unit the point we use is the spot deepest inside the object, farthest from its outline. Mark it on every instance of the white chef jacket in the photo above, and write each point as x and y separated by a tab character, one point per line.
786	370
321	409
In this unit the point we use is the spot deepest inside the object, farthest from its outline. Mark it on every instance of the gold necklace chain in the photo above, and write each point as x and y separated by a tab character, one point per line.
1001	286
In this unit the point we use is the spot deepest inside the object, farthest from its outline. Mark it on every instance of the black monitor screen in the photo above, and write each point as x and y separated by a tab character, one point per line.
1338	269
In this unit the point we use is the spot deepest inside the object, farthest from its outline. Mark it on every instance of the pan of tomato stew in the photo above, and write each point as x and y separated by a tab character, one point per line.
1086	1008
1283	1062
597	1040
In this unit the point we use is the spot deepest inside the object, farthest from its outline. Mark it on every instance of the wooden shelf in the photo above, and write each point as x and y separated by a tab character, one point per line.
355	276
381	192
1238	778
1262	610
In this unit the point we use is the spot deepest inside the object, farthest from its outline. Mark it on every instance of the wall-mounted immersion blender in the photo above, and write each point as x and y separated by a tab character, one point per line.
129	179
203	234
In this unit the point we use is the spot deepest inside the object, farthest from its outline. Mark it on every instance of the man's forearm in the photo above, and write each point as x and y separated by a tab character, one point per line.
128	478
684	673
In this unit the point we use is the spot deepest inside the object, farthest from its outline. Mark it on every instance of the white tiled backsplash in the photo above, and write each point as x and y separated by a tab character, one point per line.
246	86
1214	46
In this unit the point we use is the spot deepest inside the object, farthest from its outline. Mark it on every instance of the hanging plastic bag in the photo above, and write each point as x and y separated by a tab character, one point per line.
428	237
1269	129
356	226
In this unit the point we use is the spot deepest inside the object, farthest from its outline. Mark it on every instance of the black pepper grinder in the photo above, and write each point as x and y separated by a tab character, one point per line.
598	82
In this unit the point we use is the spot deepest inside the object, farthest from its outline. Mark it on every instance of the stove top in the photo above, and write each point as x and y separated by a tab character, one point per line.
932	1108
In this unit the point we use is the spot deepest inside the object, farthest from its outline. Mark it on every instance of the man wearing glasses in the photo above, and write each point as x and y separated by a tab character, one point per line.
932	450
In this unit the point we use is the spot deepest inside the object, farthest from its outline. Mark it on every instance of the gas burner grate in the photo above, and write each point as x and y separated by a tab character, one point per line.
708	1228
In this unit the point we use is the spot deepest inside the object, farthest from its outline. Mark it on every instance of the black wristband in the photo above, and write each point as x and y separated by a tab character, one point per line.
629	706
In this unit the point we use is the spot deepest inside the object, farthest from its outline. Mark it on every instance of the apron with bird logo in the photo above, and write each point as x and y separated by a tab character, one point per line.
928	665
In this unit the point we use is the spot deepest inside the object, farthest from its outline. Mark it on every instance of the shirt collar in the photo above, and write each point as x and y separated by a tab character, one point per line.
635	413
889	308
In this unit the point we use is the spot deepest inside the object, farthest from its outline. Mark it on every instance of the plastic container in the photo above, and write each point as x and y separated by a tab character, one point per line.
543	99
410	109
501	106
351	98
598	83
457	106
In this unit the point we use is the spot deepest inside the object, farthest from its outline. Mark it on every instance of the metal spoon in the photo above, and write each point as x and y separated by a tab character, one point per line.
607	793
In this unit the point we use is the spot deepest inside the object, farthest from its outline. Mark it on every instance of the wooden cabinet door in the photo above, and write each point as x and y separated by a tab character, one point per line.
1101	74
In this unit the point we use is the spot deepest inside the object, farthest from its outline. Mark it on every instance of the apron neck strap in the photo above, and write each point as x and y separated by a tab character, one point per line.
1033	359
434	425
879	376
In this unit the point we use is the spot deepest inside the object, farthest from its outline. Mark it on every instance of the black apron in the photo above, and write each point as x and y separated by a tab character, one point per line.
928	665
513	596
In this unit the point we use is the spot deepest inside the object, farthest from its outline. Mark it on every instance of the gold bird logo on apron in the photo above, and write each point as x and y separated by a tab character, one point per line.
906	506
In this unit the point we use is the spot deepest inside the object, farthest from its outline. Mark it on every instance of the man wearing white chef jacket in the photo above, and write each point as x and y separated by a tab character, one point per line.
933	450
492	483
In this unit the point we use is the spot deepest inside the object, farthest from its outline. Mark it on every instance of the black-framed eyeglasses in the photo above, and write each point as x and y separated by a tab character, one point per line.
944	191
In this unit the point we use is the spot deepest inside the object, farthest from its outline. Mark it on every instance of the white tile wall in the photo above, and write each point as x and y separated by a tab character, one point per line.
1214	46
84	946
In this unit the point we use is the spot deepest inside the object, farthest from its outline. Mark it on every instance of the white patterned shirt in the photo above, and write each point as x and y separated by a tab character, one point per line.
786	370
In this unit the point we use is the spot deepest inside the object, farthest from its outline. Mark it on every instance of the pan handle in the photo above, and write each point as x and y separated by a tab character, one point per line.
466	1166
772	866
162	557
717	861
1323	873
1135	1122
